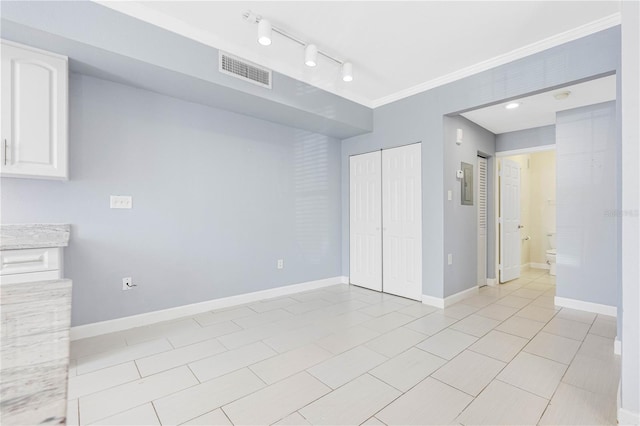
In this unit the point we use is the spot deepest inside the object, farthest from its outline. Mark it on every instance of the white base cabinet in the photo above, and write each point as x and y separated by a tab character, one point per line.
34	113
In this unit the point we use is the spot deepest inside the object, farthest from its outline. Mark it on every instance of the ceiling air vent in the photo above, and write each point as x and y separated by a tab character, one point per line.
245	70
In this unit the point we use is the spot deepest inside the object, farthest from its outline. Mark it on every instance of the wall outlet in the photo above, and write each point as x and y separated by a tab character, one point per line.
450	259
280	263
120	202
127	283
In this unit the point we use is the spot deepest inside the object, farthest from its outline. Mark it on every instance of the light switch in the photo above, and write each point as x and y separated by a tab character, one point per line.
450	259
121	202
449	195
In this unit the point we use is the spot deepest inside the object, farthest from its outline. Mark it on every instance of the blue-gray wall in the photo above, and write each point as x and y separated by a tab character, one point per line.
527	138
462	274
218	197
587	207
419	118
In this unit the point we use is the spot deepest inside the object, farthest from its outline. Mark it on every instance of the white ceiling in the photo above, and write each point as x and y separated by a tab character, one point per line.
397	48
540	110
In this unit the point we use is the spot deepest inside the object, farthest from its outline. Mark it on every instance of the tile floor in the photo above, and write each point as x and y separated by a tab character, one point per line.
343	355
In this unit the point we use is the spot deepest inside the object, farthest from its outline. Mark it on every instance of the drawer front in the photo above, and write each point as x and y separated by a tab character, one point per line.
29	260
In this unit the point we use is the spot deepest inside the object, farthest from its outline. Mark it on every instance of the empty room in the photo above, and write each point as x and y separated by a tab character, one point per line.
320	212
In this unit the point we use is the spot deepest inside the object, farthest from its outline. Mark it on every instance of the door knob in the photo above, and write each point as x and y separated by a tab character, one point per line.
520	226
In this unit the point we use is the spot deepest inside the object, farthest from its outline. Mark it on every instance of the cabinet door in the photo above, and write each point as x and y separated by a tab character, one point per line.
34	113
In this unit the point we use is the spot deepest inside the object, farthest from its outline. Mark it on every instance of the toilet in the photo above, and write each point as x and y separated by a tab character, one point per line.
551	253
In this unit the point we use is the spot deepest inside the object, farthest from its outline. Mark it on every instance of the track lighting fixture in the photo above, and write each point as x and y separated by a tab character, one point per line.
264	32
347	72
311	51
311	55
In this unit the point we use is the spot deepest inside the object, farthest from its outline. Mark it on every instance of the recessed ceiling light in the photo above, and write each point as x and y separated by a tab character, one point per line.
562	95
512	105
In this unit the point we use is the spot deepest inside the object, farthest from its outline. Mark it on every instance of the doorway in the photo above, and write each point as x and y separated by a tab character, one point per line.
527	197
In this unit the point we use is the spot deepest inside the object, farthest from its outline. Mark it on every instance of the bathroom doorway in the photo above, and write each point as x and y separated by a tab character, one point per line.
529	242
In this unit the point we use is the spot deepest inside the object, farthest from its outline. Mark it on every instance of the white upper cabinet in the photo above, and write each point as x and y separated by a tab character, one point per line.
34	113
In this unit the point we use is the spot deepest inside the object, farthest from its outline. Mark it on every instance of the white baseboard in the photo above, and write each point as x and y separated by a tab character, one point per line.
524	267
617	346
344	280
442	303
125	323
492	282
437	302
540	266
626	417
580	305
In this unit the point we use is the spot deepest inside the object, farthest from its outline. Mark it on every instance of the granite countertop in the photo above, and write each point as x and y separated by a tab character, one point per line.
34	235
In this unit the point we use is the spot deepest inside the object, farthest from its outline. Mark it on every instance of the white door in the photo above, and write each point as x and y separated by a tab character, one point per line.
365	213
34	113
482	221
509	221
402	221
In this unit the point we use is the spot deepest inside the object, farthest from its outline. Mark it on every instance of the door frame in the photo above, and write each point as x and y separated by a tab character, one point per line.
496	180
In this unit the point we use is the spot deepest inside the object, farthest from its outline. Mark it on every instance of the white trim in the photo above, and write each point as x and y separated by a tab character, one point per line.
539	46
586	306
450	300
344	279
617	346
539	148
626	417
125	323
539	266
492	282
437	302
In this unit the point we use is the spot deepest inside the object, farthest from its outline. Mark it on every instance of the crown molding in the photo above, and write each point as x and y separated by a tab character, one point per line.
530	49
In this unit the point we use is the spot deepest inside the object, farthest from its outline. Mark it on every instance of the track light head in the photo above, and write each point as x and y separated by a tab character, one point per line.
347	72
311	55
264	32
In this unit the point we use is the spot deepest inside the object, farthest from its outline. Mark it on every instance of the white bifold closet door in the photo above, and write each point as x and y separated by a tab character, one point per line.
365	221
402	221
385	221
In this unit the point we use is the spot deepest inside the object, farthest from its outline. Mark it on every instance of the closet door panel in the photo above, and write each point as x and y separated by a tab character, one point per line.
402	221
365	233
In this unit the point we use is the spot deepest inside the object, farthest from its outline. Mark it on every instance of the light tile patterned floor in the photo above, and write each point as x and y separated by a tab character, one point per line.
346	355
